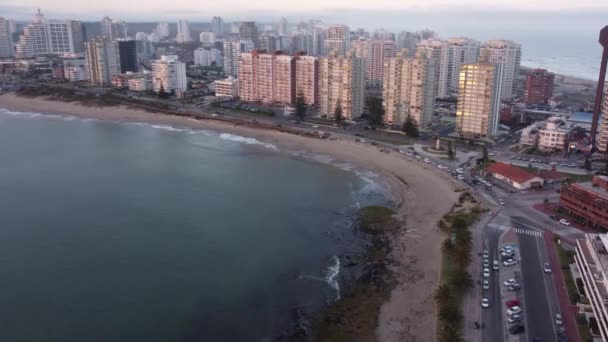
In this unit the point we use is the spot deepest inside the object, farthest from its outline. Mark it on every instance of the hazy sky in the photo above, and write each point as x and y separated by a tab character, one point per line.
22	9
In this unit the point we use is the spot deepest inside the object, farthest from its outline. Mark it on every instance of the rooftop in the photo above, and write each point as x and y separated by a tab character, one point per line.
592	188
514	173
582	117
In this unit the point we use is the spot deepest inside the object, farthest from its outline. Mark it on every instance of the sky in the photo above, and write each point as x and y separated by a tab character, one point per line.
192	9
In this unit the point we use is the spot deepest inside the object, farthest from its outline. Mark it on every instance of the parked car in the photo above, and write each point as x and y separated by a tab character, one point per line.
513	310
486	263
511	303
486	273
517	329
509	262
509	282
485	302
486	254
514	319
495	265
547	268
501	202
486	284
558	320
564	222
514	287
554	218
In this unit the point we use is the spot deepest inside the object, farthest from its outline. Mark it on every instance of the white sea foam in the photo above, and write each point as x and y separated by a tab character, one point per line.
245	140
331	275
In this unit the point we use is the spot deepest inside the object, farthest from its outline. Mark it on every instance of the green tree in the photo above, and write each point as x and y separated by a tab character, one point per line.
447	245
462	280
459	224
451	153
300	105
450	313
443	295
376	111
485	154
449	333
338	116
410	127
162	94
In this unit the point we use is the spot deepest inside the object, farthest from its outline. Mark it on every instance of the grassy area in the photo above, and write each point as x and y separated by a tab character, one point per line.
354	317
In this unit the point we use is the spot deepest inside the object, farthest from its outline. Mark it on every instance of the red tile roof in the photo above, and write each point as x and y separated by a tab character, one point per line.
514	173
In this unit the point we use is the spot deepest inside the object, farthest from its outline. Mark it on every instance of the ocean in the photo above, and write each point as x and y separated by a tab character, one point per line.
138	232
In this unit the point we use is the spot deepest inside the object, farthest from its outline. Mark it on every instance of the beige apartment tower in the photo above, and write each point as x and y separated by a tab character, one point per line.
408	88
508	54
374	53
478	109
267	78
341	82
307	79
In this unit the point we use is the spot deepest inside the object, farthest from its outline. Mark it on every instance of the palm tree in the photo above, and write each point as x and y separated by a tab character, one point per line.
443	295
450	334
461	279
447	245
462	255
450	313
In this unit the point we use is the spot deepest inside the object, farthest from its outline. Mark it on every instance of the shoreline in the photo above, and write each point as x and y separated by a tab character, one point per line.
421	200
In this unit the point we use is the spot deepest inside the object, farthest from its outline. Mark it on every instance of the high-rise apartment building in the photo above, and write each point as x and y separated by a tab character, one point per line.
438	50
207	38
6	39
341	83
162	29
127	50
307	78
538	87
217	27
183	32
270	42
113	29
478	108
384	35
460	51
283	27
408	40
318	41
337	39
408	88
103	61
49	36
508	54
249	30
144	46
169	74
301	41
602	131
266	77
207	57
232	49
374	53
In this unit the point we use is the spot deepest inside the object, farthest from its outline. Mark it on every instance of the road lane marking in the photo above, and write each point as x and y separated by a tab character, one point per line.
534	233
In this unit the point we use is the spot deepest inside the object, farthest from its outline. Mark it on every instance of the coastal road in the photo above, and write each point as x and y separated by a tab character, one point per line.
492	318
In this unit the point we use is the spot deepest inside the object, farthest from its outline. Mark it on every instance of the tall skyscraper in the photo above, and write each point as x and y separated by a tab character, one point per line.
144	46
6	40
266	77
46	36
337	39
169	74
232	49
374	53
341	83
248	30
270	42
318	41
307	78
103	61
539	87
460	51
408	88
301	41
217	27
183	32
162	29
408	40
438	50
207	57
478	108
127	50
507	53
283	27
113	29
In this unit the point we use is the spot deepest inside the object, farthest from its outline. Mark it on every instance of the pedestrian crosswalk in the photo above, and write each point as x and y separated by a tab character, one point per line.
517	230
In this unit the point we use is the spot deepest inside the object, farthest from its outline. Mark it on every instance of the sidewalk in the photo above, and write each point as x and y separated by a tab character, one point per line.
568	310
471	304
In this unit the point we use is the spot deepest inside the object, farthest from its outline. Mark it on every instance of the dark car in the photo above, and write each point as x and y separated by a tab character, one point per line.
554	218
517	329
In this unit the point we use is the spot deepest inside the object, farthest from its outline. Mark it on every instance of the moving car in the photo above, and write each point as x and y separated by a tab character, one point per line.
486	284
513	310
501	202
485	302
564	222
517	329
558	320
511	303
547	268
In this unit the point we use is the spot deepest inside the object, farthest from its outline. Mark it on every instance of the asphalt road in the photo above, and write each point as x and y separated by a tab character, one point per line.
492	318
539	293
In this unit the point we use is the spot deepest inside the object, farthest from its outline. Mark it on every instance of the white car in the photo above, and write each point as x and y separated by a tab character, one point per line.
441	167
564	222
514	319
486	254
418	157
486	284
495	265
501	202
486	273
509	282
513	310
547	268
461	177
509	262
559	320
485	302
409	153
427	160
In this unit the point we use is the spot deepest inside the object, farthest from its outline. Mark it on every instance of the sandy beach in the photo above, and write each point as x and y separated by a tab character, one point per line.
422	193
